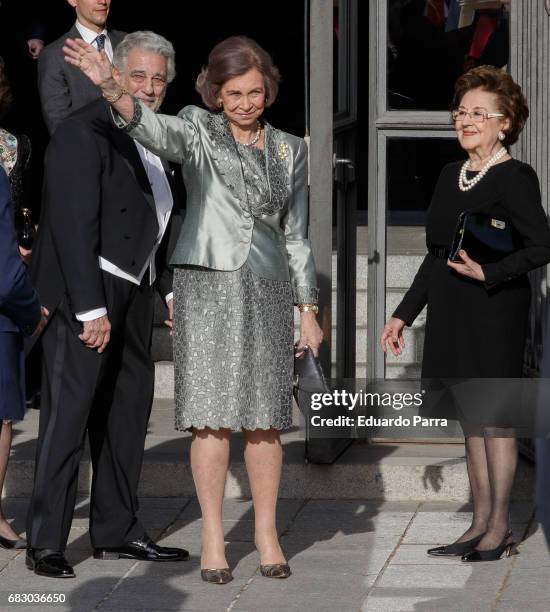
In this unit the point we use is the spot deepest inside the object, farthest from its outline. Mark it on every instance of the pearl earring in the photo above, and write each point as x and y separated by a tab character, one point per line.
501	135
220	103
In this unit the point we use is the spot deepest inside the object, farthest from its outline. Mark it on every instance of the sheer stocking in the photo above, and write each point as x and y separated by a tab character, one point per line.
478	474
502	458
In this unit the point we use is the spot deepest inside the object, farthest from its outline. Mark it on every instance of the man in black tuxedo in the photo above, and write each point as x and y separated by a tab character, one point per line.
108	218
63	88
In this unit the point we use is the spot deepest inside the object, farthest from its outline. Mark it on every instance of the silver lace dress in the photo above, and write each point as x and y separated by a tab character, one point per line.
233	336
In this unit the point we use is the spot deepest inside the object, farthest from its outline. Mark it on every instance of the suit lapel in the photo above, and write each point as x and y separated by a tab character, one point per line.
129	153
116	38
73	33
82	89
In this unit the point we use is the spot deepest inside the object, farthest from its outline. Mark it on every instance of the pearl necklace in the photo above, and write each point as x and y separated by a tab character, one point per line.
254	140
465	184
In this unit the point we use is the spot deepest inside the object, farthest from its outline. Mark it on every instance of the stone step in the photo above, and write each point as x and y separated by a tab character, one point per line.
384	471
400	271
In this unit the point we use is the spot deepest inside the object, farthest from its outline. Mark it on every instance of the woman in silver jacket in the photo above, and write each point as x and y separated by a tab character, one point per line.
241	262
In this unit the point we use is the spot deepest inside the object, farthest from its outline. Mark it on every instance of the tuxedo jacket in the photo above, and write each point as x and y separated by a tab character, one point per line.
97	201
63	88
19	303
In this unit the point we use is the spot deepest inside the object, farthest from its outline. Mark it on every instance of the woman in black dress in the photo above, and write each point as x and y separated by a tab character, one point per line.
478	314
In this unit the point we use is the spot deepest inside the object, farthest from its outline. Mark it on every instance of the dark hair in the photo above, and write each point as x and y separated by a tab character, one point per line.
231	58
5	90
511	101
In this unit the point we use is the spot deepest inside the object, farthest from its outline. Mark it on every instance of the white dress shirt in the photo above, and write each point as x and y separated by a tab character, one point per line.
162	194
90	36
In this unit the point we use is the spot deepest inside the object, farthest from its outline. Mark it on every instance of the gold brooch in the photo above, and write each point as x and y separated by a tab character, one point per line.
283	150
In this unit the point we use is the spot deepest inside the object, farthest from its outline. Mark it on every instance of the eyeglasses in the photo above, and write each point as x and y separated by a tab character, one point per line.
478	115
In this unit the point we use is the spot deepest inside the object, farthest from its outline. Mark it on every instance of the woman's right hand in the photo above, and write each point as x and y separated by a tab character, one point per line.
93	63
392	336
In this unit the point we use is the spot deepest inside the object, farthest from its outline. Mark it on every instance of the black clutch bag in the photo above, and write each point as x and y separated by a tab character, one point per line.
486	239
308	379
321	446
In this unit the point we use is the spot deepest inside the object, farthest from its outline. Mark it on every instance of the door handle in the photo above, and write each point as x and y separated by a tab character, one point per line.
340	161
373	257
340	164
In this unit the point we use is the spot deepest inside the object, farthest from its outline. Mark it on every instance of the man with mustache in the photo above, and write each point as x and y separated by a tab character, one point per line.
108	217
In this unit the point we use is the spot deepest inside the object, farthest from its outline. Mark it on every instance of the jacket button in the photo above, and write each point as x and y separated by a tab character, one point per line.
123	210
133	263
247	226
245	240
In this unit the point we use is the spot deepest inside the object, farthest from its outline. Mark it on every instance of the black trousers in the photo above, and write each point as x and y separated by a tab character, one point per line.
109	396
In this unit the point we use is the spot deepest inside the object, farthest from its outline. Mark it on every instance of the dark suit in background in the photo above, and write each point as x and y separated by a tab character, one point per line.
63	88
543	441
98	202
19	311
19	22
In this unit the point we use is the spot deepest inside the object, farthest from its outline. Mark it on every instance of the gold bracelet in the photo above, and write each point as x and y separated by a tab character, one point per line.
308	308
116	97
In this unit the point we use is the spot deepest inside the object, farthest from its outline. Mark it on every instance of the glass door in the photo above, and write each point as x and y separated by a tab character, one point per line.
344	187
333	193
417	51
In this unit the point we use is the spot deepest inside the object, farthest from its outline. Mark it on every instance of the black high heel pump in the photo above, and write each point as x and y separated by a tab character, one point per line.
494	554
457	549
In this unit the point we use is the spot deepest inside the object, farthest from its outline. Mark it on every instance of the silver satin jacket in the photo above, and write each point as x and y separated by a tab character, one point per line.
219	230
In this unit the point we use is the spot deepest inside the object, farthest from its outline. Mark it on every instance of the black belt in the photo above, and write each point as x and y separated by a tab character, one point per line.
439	252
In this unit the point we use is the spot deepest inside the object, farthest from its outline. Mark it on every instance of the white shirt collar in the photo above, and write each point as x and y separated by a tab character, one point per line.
88	35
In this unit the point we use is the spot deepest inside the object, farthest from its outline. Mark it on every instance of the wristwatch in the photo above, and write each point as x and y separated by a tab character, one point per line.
308	308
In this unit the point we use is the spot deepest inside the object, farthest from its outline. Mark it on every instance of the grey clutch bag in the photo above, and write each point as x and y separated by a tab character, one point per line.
321	445
308	379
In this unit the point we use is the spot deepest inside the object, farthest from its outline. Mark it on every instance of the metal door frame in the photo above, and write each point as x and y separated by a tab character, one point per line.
385	124
325	129
329	133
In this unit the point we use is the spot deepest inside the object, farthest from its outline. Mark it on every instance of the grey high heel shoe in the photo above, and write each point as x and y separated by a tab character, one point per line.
217	576
275	570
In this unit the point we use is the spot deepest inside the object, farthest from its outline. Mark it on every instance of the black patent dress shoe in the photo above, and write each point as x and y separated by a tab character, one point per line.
494	554
18	544
142	550
49	563
217	576
457	549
